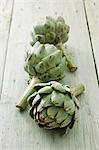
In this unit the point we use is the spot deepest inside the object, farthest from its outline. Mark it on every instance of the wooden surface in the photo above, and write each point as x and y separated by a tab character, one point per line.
17	17
92	9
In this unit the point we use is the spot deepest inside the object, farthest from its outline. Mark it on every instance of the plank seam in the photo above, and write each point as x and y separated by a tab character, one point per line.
6	48
91	42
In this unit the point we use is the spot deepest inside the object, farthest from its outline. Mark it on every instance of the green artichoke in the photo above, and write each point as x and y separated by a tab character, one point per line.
52	31
54	105
46	62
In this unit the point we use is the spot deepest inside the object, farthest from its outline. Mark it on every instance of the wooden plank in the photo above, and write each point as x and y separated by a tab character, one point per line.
20	128
6	10
92	13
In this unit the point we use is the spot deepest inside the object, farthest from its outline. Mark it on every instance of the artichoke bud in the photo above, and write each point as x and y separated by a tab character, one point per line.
52	31
54	105
46	62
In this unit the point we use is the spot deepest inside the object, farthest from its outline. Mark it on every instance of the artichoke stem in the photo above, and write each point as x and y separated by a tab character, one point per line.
70	64
22	104
77	90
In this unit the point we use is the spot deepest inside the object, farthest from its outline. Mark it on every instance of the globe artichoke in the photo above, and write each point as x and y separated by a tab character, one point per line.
54	105
52	31
46	62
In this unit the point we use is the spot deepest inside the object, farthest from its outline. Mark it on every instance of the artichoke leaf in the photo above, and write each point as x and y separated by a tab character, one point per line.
52	111
58	87
49	25
31	98
44	118
69	105
57	98
52	125
46	89
67	121
38	86
61	116
50	48
39	29
40	52
44	103
36	99
49	62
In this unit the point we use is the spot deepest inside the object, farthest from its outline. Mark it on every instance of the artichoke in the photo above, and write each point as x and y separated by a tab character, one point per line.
46	62
54	105
52	31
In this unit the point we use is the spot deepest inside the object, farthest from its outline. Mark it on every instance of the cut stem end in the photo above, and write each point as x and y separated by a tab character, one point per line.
22	104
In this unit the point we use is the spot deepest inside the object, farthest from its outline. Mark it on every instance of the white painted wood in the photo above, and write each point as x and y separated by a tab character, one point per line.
92	11
6	7
17	130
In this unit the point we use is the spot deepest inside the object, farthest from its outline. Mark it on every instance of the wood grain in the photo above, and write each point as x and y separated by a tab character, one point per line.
17	130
